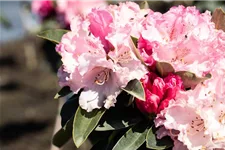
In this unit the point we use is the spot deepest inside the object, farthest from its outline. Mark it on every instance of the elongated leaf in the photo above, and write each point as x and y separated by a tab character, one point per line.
53	35
69	108
63	92
116	119
106	140
135	88
130	101
84	123
153	143
135	40
120	116
164	68
134	43
133	138
190	80
64	134
218	18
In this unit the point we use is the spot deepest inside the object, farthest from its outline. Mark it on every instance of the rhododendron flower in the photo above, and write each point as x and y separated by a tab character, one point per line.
98	59
201	117
183	37
43	8
70	8
158	92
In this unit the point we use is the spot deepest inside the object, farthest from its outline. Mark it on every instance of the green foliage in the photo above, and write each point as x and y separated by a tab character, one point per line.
84	123
64	134
119	117
164	68
135	88
158	144
121	127
63	92
134	43
133	138
69	108
190	80
53	35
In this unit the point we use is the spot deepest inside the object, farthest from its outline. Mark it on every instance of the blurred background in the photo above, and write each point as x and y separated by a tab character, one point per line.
28	67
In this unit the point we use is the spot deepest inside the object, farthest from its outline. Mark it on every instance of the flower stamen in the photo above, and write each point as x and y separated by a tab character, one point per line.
196	126
102	77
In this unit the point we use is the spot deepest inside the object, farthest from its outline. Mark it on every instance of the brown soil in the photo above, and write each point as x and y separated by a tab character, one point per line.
27	88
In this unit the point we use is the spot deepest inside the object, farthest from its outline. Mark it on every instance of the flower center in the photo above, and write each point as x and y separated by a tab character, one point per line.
102	77
180	54
124	57
196	126
222	117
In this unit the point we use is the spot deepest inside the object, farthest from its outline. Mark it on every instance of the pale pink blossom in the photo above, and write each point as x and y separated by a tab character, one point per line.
183	37
200	120
98	59
71	8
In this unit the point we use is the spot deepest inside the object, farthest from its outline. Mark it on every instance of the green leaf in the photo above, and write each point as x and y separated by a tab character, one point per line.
84	123
69	108
164	68
190	80
64	134
106	140
153	143
218	18
134	44
135	88
130	101
118	118
53	35
63	92
134	40
133	138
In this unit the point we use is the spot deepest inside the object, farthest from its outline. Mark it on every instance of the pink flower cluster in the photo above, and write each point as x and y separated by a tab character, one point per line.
100	58
188	40
98	54
64	10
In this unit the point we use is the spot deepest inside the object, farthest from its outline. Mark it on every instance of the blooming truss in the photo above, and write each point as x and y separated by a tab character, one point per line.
140	78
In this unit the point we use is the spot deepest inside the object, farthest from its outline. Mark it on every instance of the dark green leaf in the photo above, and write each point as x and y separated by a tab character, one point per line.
84	123
218	18
63	92
190	80
153	143
135	40
130	101
106	142
53	35
135	88
118	118
69	108
133	138
164	68
64	134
